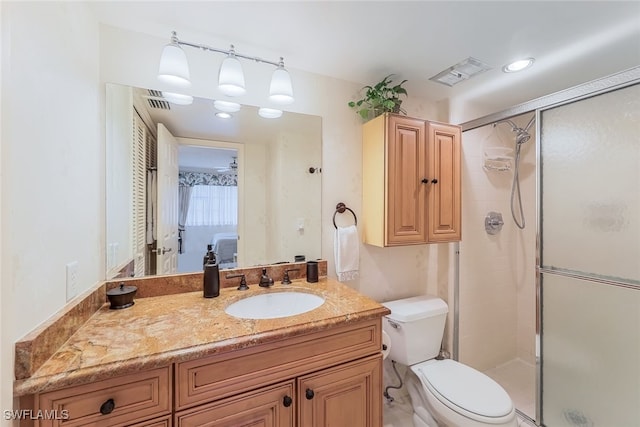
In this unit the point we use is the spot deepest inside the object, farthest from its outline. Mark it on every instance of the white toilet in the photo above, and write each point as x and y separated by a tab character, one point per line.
443	392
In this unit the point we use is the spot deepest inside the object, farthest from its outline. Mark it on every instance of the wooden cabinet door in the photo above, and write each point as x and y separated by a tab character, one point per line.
272	406
406	222
444	192
345	395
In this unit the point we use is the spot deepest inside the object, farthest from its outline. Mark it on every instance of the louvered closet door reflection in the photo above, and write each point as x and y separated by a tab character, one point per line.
139	178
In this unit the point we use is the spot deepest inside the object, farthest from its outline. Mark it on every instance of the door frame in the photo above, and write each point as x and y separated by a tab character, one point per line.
239	147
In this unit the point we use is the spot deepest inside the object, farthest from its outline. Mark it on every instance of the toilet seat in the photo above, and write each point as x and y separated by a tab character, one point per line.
465	390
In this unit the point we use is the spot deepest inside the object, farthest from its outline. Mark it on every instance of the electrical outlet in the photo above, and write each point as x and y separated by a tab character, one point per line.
72	280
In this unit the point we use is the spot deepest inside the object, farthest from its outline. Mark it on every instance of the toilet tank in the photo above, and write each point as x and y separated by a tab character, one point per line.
415	328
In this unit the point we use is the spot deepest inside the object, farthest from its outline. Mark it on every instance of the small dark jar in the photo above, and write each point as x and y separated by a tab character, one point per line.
121	297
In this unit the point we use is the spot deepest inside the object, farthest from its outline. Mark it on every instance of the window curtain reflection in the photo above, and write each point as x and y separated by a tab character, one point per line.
184	198
213	205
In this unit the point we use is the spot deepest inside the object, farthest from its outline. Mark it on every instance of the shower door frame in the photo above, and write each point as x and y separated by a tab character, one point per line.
616	81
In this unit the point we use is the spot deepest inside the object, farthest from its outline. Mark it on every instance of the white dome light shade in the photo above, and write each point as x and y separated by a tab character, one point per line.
269	113
174	68
518	65
226	106
178	98
281	90
231	77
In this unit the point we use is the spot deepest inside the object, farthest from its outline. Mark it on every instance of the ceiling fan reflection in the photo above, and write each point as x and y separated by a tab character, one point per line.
231	169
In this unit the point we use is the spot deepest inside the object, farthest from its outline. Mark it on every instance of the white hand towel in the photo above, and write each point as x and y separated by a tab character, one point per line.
346	247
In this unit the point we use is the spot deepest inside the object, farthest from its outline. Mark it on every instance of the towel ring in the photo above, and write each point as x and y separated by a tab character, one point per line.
340	208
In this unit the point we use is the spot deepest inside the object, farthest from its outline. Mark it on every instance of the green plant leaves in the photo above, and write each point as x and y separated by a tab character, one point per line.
380	98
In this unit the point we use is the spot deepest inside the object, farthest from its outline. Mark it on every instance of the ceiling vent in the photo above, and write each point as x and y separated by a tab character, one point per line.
461	71
156	100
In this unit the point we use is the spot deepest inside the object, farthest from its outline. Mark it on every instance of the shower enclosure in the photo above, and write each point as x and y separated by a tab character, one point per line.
497	298
551	311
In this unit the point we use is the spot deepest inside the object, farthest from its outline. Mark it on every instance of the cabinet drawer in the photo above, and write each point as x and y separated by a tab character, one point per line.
135	398
223	375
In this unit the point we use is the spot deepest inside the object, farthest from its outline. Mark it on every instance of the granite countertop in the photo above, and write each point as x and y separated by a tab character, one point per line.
161	330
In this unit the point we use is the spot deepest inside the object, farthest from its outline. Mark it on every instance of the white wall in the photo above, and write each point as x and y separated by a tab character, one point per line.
52	165
118	152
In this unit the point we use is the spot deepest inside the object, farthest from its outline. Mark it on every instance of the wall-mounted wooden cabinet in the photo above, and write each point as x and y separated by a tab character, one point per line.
411	181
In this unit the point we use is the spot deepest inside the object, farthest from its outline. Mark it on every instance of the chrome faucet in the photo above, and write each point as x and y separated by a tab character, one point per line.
265	280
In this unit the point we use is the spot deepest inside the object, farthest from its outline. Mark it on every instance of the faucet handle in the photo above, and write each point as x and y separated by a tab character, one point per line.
265	280
243	282
285	278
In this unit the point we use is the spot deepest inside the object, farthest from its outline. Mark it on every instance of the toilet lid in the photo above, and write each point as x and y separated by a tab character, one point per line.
460	386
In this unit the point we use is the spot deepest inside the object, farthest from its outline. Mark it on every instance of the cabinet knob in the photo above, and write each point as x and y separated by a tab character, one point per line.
309	394
107	407
425	181
434	181
287	401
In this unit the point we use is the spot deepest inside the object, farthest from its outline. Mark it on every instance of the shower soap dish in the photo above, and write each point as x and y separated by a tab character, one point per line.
497	159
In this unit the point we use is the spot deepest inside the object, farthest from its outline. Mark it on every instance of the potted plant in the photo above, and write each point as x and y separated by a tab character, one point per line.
380	98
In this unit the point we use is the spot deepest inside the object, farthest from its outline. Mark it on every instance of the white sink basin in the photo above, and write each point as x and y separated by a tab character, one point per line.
274	304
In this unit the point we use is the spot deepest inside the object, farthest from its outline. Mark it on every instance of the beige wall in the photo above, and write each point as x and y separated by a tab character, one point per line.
52	165
497	272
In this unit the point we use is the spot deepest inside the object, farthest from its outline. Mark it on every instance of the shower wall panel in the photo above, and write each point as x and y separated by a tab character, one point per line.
497	272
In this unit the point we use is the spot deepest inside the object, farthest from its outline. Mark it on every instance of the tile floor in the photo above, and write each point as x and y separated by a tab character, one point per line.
397	413
397	416
519	380
516	376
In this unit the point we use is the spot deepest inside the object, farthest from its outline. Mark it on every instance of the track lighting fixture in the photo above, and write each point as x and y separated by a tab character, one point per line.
174	70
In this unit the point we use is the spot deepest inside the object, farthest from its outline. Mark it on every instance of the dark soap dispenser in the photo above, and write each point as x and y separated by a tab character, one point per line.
211	285
207	255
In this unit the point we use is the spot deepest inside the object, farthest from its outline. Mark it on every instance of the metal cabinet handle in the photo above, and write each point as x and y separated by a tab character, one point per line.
309	394
287	401
107	407
426	181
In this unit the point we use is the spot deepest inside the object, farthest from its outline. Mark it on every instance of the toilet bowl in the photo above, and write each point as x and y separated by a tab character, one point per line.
443	392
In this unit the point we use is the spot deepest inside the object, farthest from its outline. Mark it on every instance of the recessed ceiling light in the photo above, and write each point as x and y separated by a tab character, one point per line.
518	65
223	115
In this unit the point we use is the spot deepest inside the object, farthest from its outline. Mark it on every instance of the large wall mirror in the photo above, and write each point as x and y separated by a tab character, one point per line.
180	178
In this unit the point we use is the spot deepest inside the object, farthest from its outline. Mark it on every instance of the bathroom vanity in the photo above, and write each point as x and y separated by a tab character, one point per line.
182	360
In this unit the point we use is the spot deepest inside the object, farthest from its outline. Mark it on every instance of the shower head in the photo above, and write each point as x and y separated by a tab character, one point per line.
522	136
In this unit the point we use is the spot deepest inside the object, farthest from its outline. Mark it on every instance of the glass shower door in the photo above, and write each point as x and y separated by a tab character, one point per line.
590	261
